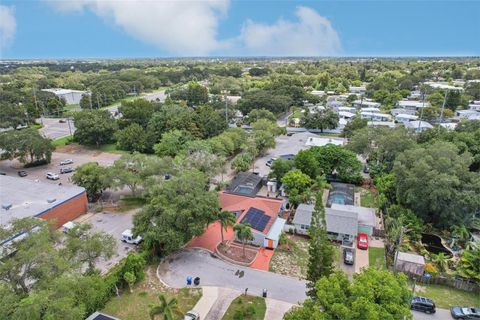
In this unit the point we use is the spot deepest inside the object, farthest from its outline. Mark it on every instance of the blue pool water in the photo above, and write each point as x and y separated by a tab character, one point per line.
338	198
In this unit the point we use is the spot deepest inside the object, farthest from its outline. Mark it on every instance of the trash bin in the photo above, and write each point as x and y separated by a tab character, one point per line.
196	281
264	294
189	281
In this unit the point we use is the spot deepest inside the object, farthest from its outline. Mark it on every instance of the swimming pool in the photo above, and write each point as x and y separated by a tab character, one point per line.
341	193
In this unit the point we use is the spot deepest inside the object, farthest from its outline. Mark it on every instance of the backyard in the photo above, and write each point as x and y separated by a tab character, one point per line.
446	297
246	308
291	258
368	198
376	257
135	305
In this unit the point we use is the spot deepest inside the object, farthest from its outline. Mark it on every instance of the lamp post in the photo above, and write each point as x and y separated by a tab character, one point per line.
226	106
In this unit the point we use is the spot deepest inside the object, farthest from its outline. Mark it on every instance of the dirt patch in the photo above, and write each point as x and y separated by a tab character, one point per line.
291	258
235	252
71	148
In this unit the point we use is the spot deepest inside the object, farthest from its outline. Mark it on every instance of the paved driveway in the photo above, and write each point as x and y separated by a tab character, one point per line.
113	224
53	129
215	272
440	314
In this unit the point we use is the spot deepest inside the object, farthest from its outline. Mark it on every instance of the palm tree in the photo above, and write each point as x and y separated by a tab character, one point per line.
244	234
166	308
226	219
441	260
461	233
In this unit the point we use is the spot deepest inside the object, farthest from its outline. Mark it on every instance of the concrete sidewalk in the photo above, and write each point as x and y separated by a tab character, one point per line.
276	309
209	296
220	306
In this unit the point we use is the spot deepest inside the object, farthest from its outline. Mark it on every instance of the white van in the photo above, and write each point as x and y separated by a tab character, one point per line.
127	236
68	226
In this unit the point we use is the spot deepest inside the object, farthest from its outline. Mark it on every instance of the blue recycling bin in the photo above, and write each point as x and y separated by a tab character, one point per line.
189	281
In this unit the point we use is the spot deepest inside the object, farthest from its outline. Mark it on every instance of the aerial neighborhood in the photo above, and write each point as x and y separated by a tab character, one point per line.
239	160
240	190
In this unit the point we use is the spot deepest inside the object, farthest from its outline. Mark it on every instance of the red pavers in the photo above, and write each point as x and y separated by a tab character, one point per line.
211	237
262	261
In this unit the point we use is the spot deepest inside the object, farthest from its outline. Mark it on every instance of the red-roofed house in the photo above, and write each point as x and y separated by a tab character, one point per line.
260	213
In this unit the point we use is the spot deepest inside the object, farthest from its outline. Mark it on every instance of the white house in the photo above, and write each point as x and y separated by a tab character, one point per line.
374	116
347	109
418	126
70	96
371	110
467	114
397	111
346	115
412	104
357	90
319	93
365	104
403	118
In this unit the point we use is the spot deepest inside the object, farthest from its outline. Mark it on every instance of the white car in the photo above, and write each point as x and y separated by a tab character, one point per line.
66	161
127	236
192	315
68	226
52	176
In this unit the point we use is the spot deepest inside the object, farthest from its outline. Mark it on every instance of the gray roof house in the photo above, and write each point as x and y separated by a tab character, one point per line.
410	263
339	222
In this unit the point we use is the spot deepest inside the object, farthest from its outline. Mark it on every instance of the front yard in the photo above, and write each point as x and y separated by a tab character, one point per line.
446	297
135	305
291	259
246	308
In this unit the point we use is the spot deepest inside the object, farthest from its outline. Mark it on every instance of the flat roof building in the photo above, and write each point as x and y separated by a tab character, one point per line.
70	96
23	198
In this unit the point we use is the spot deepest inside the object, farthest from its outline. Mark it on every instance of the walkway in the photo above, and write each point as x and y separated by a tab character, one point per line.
262	261
215	272
225	298
276	309
361	260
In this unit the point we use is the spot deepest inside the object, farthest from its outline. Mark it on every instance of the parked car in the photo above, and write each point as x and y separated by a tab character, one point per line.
362	241
422	304
66	170
3	174
465	313
62	121
287	157
66	161
270	162
366	169
68	226
52	176
127	236
348	256
22	173
192	315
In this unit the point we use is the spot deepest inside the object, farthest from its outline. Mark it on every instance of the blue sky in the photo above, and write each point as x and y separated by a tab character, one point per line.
112	29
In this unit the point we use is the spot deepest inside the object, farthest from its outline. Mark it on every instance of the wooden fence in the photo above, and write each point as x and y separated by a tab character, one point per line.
457	283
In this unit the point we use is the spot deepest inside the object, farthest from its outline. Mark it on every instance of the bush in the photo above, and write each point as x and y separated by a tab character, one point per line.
36	163
238	315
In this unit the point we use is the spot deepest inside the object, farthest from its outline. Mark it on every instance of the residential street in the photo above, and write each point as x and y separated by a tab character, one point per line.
215	272
441	314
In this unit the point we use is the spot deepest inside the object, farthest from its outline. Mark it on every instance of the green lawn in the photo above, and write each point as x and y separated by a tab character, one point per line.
368	198
246	308
62	141
446	297
135	305
131	202
291	259
111	148
297	114
376	257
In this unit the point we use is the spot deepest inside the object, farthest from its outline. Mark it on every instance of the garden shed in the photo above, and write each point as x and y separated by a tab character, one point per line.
410	263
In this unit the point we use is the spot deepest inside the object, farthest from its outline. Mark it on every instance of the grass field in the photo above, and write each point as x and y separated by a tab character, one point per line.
135	305
62	141
246	308
376	257
446	297
111	148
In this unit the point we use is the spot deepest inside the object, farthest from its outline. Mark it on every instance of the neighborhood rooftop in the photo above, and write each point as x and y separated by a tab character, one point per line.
28	198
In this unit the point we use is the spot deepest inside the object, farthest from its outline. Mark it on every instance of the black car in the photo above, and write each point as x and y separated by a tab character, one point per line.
22	173
66	170
348	256
3	174
465	313
422	304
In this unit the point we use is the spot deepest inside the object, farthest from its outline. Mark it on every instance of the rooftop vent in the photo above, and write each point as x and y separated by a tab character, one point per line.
51	200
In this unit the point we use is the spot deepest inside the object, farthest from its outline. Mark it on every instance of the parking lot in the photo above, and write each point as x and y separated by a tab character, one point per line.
55	129
113	223
78	154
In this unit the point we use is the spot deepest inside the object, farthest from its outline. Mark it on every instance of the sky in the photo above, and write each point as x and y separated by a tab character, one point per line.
42	29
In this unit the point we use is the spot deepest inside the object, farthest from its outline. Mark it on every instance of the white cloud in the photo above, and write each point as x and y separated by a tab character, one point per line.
189	28
311	35
180	27
8	26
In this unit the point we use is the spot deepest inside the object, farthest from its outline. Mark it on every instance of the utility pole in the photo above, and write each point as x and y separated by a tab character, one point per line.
396	251
421	111
90	98
440	119
36	105
226	106
69	127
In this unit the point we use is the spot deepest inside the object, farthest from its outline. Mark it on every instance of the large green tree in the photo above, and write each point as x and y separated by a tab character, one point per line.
27	145
322	119
374	294
179	209
93	177
94	127
435	182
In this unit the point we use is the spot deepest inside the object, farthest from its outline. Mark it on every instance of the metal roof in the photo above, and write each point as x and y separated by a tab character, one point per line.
276	229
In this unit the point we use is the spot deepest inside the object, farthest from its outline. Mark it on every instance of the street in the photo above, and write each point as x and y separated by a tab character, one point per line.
215	272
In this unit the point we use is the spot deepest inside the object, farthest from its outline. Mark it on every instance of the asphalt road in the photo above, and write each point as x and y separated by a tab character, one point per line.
440	314
54	129
215	272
